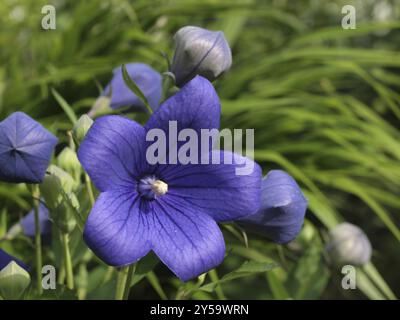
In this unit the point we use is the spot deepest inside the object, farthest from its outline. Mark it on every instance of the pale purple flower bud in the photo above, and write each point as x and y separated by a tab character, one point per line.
349	245
200	52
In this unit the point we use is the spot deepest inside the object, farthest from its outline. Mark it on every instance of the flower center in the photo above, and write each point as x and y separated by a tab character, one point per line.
150	187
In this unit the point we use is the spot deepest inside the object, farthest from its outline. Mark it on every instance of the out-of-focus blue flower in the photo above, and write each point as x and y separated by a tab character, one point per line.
200	52
5	259
27	226
172	209
25	149
282	211
145	77
28	223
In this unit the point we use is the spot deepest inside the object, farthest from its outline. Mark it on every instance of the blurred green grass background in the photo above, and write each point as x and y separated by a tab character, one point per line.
324	102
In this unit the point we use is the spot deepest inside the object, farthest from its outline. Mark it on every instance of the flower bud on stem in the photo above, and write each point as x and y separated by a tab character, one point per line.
14	281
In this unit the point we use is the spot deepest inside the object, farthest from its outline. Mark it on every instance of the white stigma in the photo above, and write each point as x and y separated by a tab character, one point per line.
159	187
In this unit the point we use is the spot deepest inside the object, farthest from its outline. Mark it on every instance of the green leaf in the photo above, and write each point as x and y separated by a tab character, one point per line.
73	205
144	266
105	291
246	269
155	283
277	287
309	276
60	293
375	276
65	106
367	287
135	89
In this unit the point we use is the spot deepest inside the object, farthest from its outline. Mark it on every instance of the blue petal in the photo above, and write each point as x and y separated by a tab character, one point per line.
28	222
216	188
146	78
283	207
25	149
113	153
118	227
5	259
188	241
195	106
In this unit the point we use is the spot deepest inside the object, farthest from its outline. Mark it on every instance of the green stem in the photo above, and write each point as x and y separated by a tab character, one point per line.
82	283
131	272
151	276
124	274
89	189
218	289
166	84
61	272
67	261
38	239
149	109
181	293
109	273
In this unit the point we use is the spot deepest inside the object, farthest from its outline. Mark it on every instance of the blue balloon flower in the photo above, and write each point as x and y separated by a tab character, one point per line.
282	211
5	259
25	149
146	78
28	223
172	209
